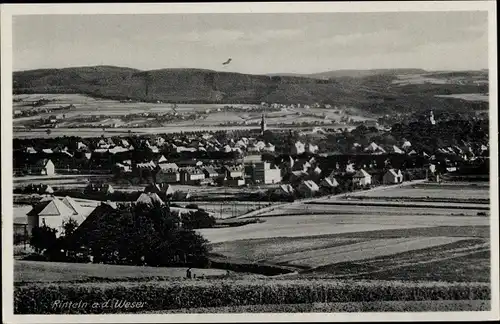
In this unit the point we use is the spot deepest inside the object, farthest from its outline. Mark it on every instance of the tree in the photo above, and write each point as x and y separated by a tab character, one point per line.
43	238
69	226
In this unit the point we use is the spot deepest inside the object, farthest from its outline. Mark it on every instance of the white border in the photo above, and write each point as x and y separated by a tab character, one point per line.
7	11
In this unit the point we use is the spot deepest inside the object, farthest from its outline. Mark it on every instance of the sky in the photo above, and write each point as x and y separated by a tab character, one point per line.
257	43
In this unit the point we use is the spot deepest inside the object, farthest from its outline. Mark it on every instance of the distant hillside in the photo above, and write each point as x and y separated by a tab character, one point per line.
370	90
354	73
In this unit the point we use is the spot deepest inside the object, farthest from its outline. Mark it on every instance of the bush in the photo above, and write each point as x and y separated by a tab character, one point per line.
39	298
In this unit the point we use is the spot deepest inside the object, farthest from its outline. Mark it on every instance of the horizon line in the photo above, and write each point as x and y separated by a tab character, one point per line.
268	73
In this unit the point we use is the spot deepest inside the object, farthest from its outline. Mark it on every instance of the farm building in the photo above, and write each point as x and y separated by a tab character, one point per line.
308	188
361	178
52	212
43	167
393	176
264	172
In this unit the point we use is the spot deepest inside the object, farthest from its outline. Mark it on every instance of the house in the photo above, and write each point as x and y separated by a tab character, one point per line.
160	159
308	188
397	150
350	168
52	212
269	148
233	172
393	176
99	188
373	148
234	182
361	178
191	176
298	148
406	145
168	166
285	190
210	172
149	199
122	167
296	176
44	167
30	150
160	189
312	148
329	182
117	149
168	175
264	172
301	165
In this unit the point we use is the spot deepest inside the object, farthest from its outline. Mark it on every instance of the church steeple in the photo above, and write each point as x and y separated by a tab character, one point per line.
263	125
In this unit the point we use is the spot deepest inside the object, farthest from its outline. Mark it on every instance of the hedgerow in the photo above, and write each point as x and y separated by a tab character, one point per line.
168	295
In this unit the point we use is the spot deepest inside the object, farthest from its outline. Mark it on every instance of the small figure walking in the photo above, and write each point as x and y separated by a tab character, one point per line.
188	273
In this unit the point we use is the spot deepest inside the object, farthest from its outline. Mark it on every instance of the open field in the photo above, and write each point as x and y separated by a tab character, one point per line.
37	271
463	191
304	225
371	238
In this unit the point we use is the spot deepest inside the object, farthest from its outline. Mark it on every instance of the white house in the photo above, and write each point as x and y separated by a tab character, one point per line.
393	176
361	178
312	148
52	213
44	167
264	172
298	148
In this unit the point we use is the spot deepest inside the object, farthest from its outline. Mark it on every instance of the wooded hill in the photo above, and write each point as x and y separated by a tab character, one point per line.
374	92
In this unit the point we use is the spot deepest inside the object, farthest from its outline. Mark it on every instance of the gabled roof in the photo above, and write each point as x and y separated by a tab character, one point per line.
311	185
42	163
168	166
73	205
149	198
53	207
394	172
361	174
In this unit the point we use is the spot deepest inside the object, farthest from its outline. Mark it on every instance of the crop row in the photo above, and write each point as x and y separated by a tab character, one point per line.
155	296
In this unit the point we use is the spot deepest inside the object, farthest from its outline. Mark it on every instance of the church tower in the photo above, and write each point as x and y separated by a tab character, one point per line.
431	119
263	125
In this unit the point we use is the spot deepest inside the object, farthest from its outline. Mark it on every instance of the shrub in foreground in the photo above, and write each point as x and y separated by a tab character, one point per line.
41	298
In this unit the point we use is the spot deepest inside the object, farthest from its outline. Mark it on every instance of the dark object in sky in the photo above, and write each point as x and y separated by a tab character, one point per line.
227	62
